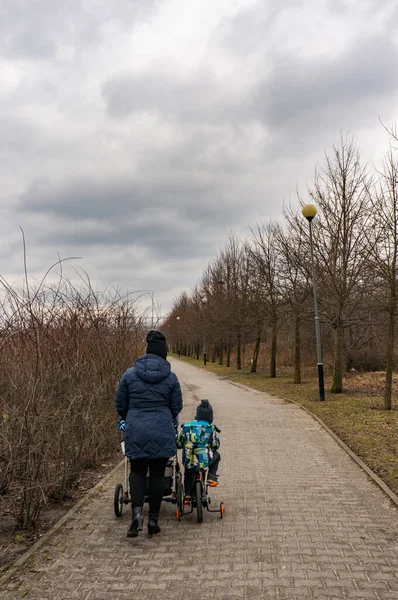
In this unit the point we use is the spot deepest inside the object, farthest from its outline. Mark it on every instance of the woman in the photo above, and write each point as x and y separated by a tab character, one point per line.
149	399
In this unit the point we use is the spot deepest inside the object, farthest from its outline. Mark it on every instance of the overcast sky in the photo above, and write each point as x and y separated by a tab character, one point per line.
139	134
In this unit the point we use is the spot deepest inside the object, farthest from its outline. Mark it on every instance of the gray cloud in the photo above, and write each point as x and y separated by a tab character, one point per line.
298	90
38	29
102	201
168	215
161	238
198	97
248	31
139	135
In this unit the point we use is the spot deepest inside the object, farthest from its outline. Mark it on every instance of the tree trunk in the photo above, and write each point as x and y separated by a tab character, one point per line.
256	351
390	357
238	354
214	353
273	349
221	357
297	350
337	385
229	352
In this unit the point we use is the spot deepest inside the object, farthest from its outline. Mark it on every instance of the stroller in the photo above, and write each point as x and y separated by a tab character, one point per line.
173	488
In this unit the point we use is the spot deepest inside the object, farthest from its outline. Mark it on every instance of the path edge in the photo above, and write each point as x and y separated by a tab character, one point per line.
57	525
393	497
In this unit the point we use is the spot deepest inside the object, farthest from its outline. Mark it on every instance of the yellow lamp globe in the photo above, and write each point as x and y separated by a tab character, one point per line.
309	211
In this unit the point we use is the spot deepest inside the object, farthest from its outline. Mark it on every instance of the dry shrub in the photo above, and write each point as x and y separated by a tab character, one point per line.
63	350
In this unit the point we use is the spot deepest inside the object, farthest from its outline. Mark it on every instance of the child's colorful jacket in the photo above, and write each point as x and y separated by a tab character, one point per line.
197	439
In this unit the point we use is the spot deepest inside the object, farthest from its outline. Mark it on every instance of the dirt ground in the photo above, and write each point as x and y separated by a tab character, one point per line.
368	384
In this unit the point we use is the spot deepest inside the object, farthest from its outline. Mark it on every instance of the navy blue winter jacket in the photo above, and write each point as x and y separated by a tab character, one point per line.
148	399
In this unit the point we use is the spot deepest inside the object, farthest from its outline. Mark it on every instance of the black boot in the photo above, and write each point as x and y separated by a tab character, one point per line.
153	526
136	523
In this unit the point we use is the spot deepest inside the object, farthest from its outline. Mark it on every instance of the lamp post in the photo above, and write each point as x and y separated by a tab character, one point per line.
178	339
202	308
309	211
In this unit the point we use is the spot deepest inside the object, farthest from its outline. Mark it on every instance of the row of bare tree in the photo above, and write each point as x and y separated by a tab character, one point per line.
258	292
63	349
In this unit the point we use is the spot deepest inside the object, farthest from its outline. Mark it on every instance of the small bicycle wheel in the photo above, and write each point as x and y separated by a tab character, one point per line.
118	500
179	493
199	506
222	510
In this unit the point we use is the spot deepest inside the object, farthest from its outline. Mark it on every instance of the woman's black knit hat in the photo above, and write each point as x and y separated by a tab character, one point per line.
204	411
156	344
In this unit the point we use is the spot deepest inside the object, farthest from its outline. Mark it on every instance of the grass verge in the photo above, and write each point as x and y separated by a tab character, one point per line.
356	417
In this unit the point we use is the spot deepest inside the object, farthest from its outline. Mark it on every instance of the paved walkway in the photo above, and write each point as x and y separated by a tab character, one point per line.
302	521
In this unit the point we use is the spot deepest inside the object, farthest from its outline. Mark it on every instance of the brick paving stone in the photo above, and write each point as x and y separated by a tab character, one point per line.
302	521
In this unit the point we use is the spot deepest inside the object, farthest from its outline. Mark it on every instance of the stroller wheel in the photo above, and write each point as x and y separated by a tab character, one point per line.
199	501
118	500
179	493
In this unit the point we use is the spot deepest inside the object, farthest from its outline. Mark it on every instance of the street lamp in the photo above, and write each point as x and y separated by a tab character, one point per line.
178	340
309	211
204	335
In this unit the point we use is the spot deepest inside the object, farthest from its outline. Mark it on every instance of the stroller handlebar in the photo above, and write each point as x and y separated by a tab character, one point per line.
121	425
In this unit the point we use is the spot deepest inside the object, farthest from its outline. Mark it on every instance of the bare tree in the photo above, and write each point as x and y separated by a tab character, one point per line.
385	210
265	254
236	286
294	276
341	247
256	305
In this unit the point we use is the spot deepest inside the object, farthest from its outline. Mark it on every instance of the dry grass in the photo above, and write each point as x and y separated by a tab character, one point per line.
357	416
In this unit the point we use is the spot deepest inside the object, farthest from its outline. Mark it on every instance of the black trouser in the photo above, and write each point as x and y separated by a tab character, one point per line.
138	473
214	462
189	474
